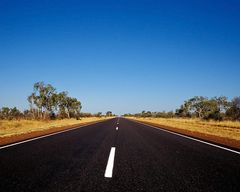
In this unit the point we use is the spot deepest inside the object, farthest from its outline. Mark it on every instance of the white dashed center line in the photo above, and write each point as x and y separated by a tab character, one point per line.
116	128
109	168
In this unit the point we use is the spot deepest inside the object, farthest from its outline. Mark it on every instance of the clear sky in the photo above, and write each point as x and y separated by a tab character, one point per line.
124	55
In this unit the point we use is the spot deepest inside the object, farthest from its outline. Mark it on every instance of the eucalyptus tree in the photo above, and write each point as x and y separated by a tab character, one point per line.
44	98
31	99
10	113
204	108
109	113
185	109
233	112
68	105
73	107
5	111
62	103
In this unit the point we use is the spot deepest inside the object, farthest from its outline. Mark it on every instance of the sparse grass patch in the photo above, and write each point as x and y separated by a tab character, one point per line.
17	127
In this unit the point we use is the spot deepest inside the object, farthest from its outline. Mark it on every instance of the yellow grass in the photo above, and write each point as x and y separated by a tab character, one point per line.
226	129
16	127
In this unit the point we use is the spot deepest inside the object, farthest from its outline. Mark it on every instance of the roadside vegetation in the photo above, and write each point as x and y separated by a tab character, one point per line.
216	108
45	103
225	129
47	109
17	127
216	119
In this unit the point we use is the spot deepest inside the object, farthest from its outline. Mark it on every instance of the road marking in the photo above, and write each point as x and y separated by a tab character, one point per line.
109	168
40	137
117	123
116	128
191	138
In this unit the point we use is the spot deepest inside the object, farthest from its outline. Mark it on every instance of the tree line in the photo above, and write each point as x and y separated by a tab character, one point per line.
216	108
46	103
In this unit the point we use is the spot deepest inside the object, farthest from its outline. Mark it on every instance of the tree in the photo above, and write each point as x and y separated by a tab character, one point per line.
10	113
204	108
14	113
73	107
222	103
147	114
185	109
99	114
198	105
108	113
68	105
233	111
31	99
44	103
217	107
62	103
44	98
5	111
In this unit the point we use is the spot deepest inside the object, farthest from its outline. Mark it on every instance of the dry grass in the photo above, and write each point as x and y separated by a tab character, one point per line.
225	129
17	127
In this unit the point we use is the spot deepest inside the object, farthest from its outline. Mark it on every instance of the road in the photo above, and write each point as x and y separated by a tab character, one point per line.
145	159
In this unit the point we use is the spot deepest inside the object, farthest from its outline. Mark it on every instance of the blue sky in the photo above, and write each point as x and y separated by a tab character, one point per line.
124	56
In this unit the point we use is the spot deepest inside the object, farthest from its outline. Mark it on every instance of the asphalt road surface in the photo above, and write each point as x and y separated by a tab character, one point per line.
143	159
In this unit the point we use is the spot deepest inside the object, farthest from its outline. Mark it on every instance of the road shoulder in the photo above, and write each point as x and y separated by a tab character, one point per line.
25	136
234	144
